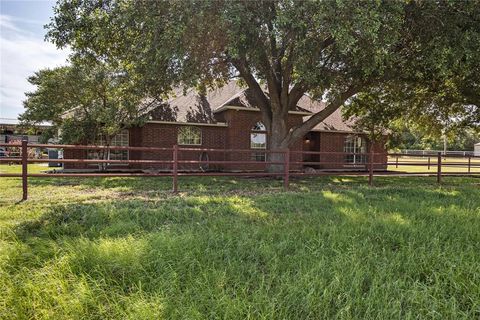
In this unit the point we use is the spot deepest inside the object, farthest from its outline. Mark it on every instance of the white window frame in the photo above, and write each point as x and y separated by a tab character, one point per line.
189	136
355	144
258	129
121	139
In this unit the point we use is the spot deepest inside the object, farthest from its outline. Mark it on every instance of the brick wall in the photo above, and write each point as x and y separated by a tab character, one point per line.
76	154
334	142
382	158
165	136
240	123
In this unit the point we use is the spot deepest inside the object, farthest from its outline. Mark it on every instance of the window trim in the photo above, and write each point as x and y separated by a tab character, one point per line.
186	128
356	159
100	142
262	131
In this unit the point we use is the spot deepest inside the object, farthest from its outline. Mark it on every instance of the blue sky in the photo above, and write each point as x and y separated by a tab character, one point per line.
23	50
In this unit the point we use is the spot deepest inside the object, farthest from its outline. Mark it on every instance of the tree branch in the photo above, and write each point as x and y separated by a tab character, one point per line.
303	129
296	94
260	97
300	87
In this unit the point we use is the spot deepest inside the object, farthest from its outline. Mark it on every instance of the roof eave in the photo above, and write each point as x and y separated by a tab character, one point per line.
216	124
227	107
339	131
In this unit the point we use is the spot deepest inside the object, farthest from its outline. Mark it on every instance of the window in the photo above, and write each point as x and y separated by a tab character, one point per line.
259	126
355	144
120	140
258	140
189	136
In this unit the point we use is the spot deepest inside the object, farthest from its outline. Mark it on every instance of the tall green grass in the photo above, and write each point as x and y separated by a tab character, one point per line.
240	248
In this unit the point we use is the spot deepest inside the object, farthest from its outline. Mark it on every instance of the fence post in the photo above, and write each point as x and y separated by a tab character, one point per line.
439	167
469	164
370	167
286	168
429	163
396	162
24	169
175	169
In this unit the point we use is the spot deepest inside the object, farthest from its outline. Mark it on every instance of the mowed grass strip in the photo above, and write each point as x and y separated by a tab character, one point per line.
118	248
449	164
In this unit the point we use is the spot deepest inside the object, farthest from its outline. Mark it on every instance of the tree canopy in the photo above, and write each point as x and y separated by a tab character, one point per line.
440	89
331	50
86	100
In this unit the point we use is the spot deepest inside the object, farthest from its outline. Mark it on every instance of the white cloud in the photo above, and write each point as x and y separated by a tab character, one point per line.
10	20
6	22
21	54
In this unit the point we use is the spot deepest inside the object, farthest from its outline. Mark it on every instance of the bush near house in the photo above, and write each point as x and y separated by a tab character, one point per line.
13	151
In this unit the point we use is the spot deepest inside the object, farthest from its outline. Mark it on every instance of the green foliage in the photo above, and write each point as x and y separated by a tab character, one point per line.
408	136
372	114
330	49
437	91
240	248
51	97
85	100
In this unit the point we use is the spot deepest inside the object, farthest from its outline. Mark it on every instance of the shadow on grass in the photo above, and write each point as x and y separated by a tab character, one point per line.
220	185
340	249
332	199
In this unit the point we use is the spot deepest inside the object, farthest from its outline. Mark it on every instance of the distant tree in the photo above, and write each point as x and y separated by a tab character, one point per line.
86	101
409	136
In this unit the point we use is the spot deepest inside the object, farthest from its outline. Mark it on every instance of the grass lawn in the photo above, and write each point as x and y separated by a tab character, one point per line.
125	248
449	165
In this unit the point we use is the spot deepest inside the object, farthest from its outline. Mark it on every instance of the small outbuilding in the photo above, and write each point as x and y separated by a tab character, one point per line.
476	150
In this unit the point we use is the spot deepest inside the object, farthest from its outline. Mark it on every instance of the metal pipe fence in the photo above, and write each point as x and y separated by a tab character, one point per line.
291	163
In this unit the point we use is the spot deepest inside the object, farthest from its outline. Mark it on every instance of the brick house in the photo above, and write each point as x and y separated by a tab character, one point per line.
226	118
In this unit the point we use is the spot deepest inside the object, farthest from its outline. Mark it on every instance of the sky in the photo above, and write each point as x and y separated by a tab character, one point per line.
23	50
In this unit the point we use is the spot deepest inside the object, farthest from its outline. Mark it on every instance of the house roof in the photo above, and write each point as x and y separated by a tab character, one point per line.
193	107
334	122
190	106
16	122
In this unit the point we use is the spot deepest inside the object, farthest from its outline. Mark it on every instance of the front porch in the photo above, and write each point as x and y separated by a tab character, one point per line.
340	152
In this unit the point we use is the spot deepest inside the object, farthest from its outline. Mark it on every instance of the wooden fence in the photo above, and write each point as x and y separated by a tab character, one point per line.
366	168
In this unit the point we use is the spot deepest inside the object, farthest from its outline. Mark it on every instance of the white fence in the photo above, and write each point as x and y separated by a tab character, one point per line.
435	152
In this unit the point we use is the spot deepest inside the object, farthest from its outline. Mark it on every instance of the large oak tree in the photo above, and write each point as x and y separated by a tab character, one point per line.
331	50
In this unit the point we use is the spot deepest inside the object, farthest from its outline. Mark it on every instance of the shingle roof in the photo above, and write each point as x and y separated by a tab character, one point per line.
334	122
16	122
191	106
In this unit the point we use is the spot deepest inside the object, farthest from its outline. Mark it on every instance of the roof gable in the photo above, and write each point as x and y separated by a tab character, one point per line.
194	107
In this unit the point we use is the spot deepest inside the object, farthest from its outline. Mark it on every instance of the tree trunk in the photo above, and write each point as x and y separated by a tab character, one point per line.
105	155
277	142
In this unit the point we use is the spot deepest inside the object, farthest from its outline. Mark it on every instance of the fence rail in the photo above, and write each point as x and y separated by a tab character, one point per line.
368	168
413	152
